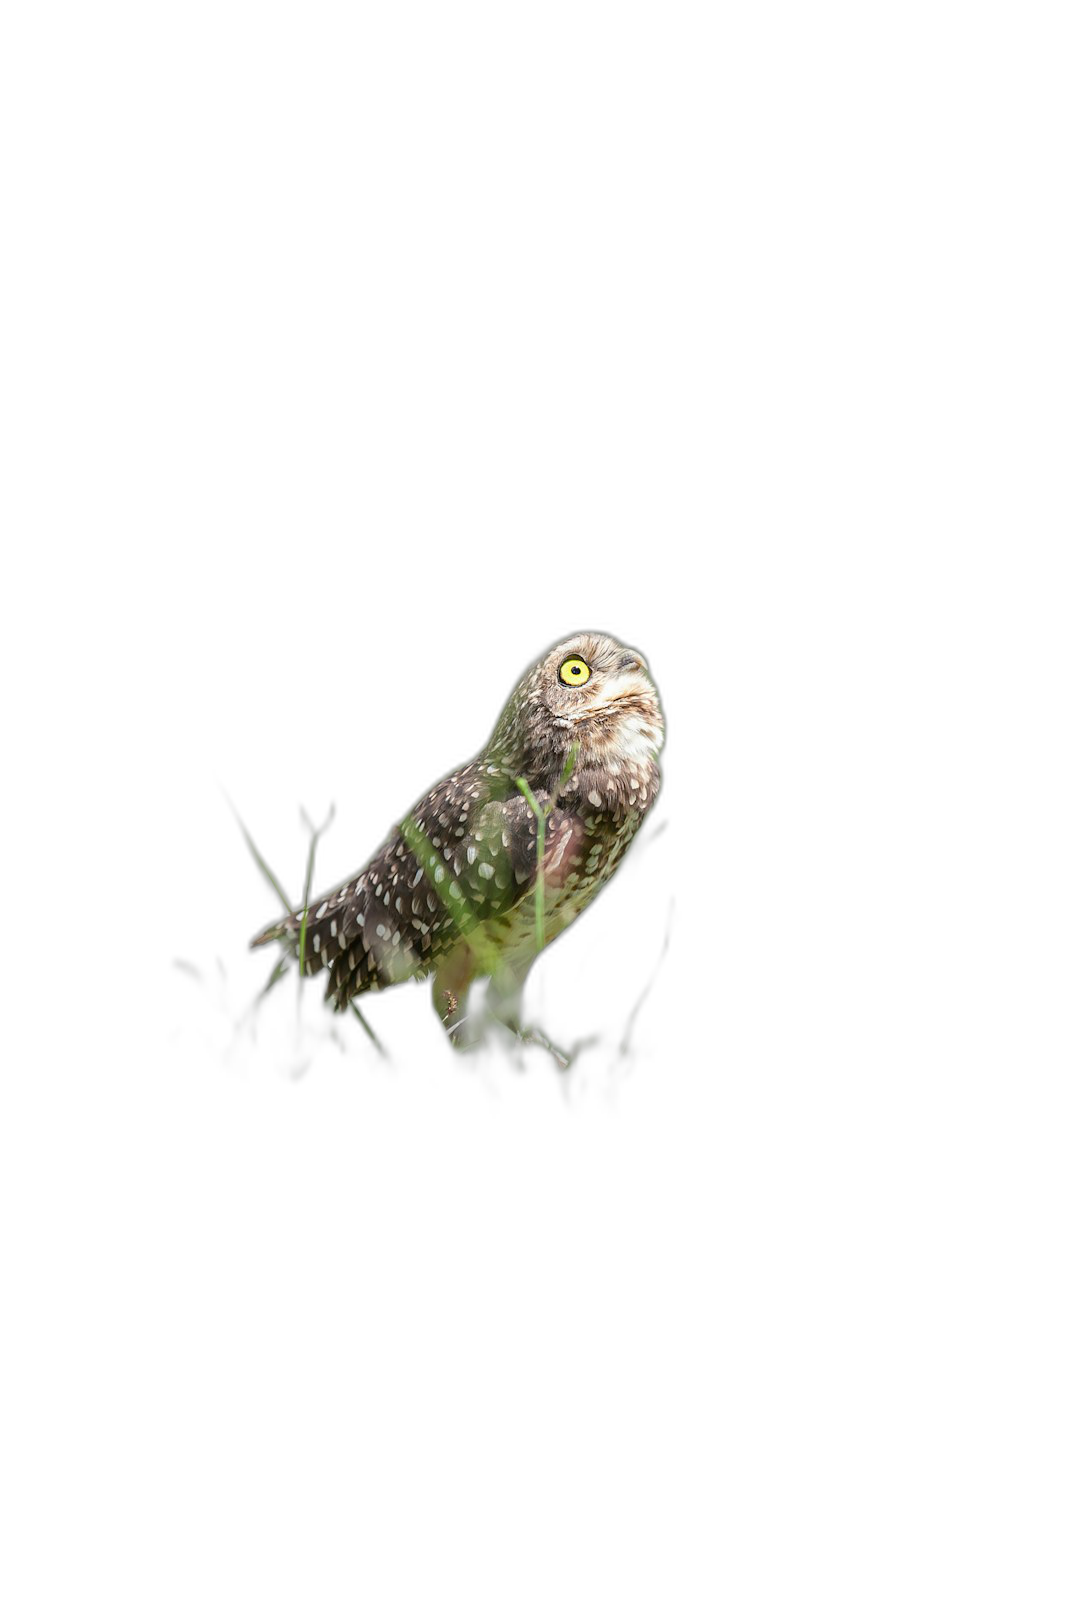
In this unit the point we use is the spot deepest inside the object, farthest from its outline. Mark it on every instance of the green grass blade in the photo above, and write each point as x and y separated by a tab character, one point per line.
624	1044
260	863
281	966
434	863
541	835
541	829
277	972
316	834
371	1035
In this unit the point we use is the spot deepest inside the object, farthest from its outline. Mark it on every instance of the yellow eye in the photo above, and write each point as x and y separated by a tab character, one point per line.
574	672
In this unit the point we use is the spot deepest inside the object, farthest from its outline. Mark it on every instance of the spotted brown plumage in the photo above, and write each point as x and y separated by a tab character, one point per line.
453	891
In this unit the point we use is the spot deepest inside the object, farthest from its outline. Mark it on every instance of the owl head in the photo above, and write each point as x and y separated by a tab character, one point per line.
590	693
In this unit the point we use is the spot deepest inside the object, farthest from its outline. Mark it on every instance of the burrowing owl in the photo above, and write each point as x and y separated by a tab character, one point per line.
472	883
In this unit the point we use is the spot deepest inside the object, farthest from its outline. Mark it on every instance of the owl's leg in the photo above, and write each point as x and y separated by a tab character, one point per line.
476	995
478	1001
462	1014
505	997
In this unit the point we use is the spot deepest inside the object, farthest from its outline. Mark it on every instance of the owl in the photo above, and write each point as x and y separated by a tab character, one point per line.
499	858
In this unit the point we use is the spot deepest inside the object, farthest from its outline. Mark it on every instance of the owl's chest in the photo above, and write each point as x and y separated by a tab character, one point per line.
580	855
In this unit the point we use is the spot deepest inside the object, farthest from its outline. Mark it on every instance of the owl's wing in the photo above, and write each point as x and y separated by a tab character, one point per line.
466	854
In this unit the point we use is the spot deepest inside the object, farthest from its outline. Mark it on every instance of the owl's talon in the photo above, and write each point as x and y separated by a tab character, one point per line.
536	1037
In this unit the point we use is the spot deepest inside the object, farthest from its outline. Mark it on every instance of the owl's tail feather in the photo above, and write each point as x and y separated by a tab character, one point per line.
278	930
355	935
289	929
320	948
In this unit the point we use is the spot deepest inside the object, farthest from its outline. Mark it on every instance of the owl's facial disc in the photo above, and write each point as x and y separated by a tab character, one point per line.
611	713
593	674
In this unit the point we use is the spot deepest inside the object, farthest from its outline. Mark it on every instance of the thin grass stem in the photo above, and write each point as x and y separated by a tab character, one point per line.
260	863
316	834
541	829
541	834
371	1035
